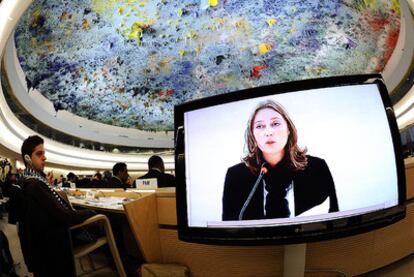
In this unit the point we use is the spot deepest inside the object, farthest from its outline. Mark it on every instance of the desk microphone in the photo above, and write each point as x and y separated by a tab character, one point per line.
263	171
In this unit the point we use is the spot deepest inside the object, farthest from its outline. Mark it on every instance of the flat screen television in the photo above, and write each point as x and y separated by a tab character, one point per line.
289	163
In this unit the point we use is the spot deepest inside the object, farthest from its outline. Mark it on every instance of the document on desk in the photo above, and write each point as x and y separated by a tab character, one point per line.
102	202
111	201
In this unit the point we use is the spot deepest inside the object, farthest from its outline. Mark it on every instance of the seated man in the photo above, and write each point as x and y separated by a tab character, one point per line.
15	192
97	181
72	179
156	170
45	218
119	178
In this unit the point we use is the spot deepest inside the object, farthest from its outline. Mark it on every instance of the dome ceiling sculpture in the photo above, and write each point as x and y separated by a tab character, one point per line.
127	63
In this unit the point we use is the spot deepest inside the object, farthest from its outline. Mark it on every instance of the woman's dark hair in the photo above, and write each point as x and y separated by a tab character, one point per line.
29	145
294	156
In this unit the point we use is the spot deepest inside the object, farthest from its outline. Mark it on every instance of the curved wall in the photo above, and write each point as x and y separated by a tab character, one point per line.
42	109
13	132
404	109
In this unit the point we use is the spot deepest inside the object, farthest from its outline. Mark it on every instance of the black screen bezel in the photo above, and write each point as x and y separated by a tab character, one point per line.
297	233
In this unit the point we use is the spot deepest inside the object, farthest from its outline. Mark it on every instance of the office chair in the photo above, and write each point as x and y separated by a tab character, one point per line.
84	250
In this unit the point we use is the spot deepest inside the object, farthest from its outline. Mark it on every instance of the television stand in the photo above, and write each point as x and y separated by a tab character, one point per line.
294	260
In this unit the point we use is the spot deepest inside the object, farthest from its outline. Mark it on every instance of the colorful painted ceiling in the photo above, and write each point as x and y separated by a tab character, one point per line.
127	63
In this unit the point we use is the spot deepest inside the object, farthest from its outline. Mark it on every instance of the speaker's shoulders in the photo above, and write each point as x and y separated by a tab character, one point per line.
238	168
315	160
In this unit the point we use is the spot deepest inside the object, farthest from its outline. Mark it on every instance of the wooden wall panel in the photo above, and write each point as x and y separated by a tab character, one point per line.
395	241
352	255
143	221
211	260
409	176
166	210
365	252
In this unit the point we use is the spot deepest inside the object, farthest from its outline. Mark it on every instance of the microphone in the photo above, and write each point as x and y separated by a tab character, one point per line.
263	171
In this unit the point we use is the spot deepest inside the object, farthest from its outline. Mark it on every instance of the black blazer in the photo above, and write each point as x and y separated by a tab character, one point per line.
163	179
115	183
311	187
44	231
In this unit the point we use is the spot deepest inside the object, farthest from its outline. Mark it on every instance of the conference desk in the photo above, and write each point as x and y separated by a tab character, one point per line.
105	204
107	200
111	203
153	221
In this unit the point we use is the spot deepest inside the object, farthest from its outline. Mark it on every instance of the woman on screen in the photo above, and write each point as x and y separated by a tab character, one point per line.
276	178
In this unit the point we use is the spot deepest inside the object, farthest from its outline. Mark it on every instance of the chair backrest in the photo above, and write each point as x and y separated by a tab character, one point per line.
109	238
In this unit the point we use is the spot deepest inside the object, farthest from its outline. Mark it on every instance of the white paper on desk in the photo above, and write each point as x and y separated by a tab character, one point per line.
90	194
110	201
150	183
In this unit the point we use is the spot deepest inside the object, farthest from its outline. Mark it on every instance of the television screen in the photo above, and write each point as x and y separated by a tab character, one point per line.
289	163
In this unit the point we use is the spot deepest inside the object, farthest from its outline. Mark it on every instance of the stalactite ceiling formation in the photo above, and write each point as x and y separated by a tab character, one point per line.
127	62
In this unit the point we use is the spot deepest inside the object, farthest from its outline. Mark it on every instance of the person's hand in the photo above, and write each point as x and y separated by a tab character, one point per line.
129	181
50	177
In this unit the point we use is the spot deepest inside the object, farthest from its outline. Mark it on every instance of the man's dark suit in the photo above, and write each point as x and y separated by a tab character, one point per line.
312	186
115	183
163	179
